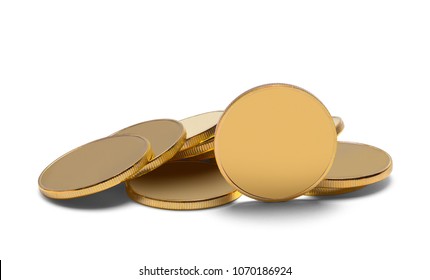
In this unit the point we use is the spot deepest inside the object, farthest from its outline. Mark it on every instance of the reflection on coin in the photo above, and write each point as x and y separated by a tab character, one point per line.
338	123
357	165
205	156
166	138
275	142
196	151
331	191
200	128
182	185
95	167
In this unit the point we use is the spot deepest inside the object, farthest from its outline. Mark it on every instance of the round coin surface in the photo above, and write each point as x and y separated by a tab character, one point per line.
166	138
95	167
182	185
275	142
357	165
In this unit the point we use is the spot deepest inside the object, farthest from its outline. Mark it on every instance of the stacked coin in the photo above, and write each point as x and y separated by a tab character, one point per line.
273	143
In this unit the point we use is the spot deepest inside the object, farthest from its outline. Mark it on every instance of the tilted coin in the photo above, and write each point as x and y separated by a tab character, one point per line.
166	138
200	128
196	151
357	165
95	167
338	123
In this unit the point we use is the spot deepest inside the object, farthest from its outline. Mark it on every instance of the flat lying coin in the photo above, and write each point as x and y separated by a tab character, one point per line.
95	167
338	123
166	138
182	185
275	142
331	191
357	165
200	128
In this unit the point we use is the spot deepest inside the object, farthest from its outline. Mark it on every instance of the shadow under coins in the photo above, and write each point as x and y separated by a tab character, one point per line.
299	208
113	197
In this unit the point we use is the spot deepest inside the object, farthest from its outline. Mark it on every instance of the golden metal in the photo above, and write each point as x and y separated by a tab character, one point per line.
195	151
182	185
205	156
275	142
331	191
357	165
166	137
95	167
200	128
338	123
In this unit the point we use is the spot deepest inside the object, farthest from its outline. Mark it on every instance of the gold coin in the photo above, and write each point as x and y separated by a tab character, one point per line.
275	142
166	138
200	149
95	167
182	185
200	128
331	191
338	123
205	156
357	165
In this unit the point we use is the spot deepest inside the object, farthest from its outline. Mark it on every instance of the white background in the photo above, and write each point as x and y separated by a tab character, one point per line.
74	71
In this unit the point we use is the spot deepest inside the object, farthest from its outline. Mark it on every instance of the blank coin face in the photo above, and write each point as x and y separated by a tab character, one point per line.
275	142
166	137
357	165
95	166
182	185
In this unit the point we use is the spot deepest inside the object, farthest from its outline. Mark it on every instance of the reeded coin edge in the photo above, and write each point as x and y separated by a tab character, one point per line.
352	183
195	151
120	178
321	191
199	138
163	158
361	181
265	199
205	156
182	205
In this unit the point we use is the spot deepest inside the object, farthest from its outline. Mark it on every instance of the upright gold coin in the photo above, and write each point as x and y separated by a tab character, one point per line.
338	123
357	165
275	142
182	185
166	138
95	167
200	128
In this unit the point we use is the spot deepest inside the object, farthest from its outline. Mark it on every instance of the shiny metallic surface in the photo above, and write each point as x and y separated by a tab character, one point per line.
338	123
95	166
182	185
275	142
166	137
200	128
357	165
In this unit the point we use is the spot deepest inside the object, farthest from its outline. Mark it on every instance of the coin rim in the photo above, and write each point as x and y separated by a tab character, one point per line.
182	205
109	183
360	181
265	199
164	157
201	137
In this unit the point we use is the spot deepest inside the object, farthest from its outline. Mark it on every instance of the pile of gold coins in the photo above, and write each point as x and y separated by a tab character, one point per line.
273	143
